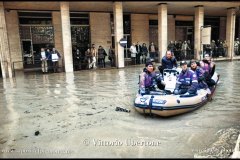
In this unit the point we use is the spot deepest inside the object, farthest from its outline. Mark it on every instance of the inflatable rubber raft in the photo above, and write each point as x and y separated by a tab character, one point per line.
164	104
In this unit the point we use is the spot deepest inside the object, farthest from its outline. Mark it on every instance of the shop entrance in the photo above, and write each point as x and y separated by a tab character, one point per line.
34	38
27	52
80	34
36	31
80	41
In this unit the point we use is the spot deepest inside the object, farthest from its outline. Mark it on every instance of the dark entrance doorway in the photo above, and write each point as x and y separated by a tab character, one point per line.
214	22
33	39
80	34
27	53
36	32
80	41
80	38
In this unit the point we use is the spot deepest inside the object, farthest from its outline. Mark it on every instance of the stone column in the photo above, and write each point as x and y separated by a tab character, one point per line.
162	30
118	31
66	36
230	32
198	23
14	38
5	57
222	29
238	28
58	40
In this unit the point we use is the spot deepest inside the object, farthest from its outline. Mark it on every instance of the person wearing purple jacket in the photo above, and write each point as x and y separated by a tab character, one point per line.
148	79
209	67
200	75
187	82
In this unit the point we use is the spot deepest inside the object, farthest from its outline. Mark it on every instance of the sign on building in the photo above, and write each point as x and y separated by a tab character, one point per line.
123	42
206	35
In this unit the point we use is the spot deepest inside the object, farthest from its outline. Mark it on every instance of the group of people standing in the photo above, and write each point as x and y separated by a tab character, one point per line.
182	50
216	49
140	53
49	59
195	75
93	58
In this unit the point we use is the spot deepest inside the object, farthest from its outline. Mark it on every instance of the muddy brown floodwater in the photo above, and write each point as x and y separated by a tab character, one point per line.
73	115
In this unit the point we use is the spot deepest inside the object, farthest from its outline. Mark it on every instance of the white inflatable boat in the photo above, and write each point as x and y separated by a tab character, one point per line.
164	104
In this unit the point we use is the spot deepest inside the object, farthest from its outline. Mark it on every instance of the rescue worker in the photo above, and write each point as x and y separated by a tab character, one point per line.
209	68
148	79
200	75
168	62
187	82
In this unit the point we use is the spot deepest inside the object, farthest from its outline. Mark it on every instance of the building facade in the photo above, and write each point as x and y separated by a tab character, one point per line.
28	26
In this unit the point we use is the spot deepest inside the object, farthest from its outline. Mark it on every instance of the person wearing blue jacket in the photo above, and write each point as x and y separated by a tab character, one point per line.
168	62
187	82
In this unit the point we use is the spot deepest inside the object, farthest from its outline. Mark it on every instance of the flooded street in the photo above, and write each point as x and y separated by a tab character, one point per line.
73	115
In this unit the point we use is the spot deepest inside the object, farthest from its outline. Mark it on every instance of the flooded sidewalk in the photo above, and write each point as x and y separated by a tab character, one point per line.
73	115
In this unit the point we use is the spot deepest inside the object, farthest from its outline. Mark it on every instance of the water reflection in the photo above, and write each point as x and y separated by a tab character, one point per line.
9	116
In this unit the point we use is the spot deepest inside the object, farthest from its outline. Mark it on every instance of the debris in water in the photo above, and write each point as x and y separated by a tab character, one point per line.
37	133
122	109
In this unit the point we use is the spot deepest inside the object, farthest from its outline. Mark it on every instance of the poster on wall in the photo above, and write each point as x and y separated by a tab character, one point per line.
206	35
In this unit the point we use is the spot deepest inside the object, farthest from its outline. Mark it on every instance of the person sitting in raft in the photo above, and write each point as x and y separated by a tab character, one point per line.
160	84
168	62
187	82
200	75
148	79
209	67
